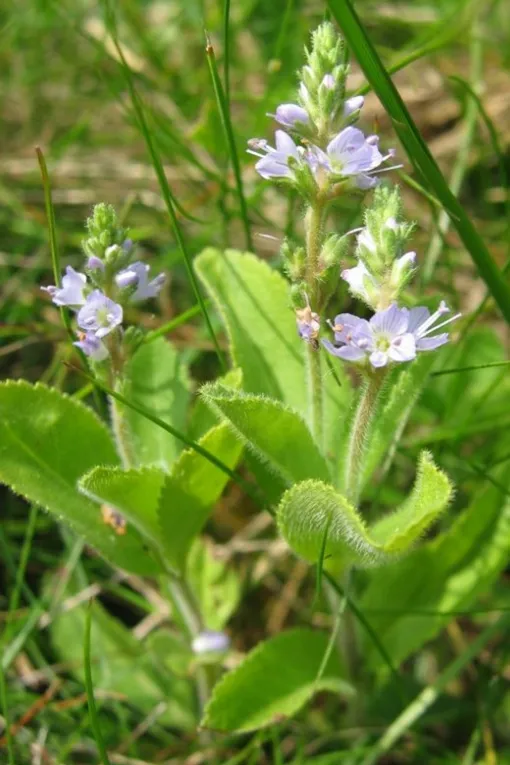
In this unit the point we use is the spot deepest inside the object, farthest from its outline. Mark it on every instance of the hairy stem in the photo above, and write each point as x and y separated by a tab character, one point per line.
360	428
314	234
121	432
314	385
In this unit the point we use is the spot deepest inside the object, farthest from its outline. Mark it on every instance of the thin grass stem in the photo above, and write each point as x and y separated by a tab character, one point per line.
223	108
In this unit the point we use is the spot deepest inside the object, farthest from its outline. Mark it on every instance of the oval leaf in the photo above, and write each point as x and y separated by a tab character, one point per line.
273	682
47	442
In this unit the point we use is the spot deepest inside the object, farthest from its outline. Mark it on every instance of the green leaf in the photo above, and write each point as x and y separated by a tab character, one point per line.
274	433
156	378
394	415
202	418
429	497
254	305
134	492
445	575
191	490
417	150
47	442
216	586
273	682
121	664
253	301
312	511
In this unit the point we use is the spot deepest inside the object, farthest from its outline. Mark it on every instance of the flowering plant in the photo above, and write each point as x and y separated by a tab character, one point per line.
312	408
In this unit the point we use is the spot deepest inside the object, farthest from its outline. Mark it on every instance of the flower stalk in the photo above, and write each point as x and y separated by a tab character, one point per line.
314	224
359	433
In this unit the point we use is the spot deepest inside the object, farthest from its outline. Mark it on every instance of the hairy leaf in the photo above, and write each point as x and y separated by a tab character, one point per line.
275	434
47	442
134	492
312	511
430	495
254	303
273	682
156	378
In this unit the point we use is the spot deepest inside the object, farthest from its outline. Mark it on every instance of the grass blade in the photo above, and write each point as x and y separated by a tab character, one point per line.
166	192
226	52
461	164
418	152
182	318
360	616
89	687
224	111
20	571
431	693
470	369
52	233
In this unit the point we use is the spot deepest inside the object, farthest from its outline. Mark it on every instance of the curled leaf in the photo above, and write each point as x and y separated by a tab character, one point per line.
312	509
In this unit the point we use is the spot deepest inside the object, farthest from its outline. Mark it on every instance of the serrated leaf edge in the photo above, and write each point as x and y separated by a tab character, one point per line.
272	467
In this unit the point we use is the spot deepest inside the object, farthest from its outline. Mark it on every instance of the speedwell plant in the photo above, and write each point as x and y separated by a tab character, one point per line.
313	406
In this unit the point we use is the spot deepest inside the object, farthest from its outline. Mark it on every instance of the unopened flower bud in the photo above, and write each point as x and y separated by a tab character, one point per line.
402	271
328	81
353	105
308	325
95	264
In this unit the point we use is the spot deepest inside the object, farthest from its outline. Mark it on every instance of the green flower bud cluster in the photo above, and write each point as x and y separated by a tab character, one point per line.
105	235
384	267
323	78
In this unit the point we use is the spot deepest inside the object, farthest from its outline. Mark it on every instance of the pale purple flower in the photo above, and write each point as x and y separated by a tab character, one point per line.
95	264
71	292
210	641
290	115
351	155
137	274
274	163
421	323
308	324
100	315
392	335
92	346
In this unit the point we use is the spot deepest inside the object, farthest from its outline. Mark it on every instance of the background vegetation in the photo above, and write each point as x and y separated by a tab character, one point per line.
63	88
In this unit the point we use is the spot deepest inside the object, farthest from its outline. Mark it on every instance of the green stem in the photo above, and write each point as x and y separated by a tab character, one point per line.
314	230
314	384
121	433
191	619
359	432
